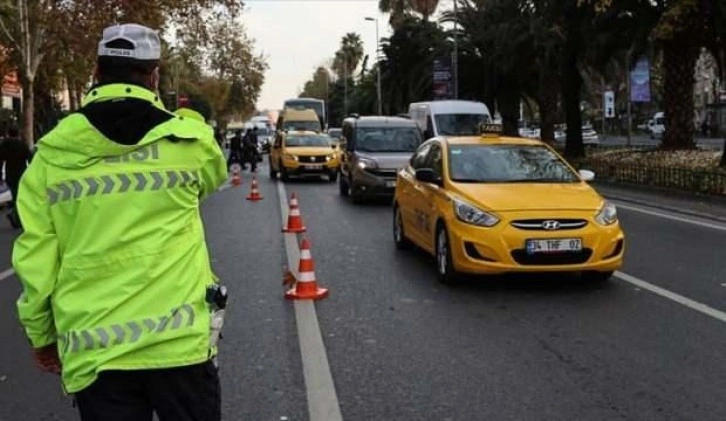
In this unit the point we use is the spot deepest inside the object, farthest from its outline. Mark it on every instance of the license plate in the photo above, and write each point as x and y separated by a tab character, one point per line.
554	245
314	166
391	183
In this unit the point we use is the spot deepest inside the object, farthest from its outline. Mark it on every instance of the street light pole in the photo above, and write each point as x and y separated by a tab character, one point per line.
455	58
378	65
629	112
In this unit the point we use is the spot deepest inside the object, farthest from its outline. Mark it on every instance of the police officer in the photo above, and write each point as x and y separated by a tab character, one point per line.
112	198
15	154
235	149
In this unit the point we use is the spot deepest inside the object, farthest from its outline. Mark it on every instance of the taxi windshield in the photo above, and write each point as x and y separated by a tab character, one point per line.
387	139
507	164
307	140
302	125
460	124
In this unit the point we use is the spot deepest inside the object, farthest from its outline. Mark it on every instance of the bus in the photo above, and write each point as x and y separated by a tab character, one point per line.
317	105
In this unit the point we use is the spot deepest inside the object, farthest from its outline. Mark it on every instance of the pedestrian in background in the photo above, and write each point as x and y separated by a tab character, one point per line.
15	156
113	262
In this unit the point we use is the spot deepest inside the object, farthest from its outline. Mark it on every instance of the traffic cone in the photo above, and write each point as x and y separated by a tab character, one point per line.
306	287
236	179
254	193
294	219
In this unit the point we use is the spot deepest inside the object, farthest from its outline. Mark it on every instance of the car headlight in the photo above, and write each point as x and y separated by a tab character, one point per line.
473	215
607	215
290	157
364	163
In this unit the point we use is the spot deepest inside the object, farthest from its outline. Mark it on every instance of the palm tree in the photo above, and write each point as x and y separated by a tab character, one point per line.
349	55
425	7
397	10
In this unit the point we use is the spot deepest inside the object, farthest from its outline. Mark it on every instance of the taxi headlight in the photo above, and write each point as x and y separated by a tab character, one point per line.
607	215
290	157
364	163
473	215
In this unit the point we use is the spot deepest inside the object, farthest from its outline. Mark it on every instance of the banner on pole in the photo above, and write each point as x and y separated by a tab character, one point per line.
443	81
640	81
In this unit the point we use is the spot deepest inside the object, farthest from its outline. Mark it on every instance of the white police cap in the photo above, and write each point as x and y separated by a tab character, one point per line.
145	41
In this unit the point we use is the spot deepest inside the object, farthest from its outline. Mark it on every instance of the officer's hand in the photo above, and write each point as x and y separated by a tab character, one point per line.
46	358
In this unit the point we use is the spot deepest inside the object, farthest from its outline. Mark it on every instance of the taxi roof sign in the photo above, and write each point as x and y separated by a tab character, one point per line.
490	129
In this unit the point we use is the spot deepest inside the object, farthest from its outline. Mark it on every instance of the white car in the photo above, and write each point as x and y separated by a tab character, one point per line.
589	135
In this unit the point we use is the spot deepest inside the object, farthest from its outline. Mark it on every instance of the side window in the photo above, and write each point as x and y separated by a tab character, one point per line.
434	160
418	160
429	132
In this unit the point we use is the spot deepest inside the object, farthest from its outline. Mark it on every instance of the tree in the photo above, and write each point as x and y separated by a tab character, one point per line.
24	25
318	86
348	56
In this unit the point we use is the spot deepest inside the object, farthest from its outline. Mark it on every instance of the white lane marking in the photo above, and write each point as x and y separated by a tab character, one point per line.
672	217
680	299
7	273
322	399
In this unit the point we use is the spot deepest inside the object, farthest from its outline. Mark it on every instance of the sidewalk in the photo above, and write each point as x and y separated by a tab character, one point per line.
710	207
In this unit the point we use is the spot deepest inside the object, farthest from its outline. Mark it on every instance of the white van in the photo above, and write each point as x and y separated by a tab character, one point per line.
656	126
449	118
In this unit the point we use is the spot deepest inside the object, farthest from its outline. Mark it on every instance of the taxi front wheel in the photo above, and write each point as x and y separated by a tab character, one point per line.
444	262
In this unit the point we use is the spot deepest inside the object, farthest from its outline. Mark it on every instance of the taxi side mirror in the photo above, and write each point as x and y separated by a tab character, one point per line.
586	175
427	175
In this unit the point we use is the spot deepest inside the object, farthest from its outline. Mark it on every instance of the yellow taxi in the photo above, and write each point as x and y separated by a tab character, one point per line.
303	153
490	204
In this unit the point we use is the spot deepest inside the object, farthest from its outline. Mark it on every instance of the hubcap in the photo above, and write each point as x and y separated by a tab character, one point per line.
442	252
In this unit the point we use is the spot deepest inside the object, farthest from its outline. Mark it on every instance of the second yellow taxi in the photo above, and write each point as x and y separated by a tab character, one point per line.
490	204
303	153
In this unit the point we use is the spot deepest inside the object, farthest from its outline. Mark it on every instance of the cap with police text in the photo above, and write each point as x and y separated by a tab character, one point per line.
144	42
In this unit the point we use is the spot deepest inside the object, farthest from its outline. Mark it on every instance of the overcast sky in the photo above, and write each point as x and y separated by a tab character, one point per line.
299	35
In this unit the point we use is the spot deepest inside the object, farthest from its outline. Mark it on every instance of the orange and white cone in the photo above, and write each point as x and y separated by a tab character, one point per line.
254	192
236	179
294	219
306	287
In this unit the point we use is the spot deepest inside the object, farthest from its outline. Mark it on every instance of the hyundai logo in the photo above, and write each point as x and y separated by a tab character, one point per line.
551	225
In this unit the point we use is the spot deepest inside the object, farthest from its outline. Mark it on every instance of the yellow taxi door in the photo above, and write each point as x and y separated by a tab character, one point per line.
409	194
430	196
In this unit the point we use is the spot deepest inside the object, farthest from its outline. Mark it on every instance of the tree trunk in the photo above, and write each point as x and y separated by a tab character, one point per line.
547	103
571	87
508	100
28	112
72	97
679	60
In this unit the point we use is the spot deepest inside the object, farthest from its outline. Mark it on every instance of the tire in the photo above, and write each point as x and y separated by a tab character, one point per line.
283	173
342	186
355	197
399	237
444	263
273	173
597	277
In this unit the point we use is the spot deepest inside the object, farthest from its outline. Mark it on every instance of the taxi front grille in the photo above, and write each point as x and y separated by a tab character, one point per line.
317	159
550	259
539	224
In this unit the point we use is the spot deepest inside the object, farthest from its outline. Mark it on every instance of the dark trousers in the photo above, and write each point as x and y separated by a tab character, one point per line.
189	393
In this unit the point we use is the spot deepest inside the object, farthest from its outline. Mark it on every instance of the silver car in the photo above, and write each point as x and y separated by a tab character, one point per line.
374	149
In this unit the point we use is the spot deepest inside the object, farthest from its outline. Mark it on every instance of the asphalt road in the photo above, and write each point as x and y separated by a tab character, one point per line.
400	346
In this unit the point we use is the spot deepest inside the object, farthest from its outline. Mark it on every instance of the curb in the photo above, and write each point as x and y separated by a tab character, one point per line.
680	211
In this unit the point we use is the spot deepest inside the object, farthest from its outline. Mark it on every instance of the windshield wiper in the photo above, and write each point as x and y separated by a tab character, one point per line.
468	180
538	180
